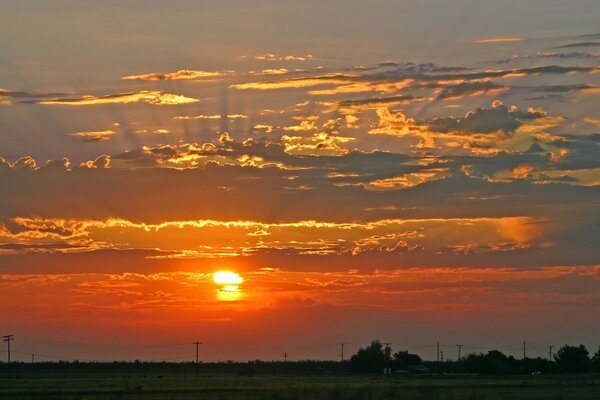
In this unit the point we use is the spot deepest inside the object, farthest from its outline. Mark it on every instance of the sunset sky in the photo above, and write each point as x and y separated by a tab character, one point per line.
411	171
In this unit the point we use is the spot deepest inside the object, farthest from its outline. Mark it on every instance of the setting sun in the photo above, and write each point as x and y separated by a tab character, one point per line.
228	278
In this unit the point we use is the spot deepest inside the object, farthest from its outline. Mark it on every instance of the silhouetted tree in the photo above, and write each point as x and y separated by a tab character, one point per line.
573	358
494	362
370	359
596	361
403	359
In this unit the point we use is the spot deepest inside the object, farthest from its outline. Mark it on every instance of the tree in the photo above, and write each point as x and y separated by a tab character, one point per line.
370	359
494	362
403	359
573	358
596	361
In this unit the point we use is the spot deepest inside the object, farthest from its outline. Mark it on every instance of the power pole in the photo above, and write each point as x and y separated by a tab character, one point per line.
285	356
8	339
342	355
197	343
438	351
460	346
442	355
524	350
388	353
550	352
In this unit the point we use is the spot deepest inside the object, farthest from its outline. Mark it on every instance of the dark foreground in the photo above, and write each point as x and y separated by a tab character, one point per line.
575	387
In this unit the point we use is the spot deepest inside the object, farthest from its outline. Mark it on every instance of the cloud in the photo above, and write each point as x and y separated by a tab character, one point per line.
4	93
593	121
271	71
317	144
172	76
580	44
210	116
263	128
292	83
377	102
487	120
145	96
205	238
464	89
94	136
499	40
274	57
408	180
102	161
305	125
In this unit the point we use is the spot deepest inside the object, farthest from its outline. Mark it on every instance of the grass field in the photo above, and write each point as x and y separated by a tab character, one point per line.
306	388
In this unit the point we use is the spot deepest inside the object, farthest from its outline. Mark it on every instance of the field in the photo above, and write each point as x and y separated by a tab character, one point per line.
219	387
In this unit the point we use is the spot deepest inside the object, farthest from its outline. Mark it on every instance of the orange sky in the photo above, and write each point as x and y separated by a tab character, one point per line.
402	172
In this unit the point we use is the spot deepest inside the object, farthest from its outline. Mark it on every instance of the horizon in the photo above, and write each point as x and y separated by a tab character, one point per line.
273	177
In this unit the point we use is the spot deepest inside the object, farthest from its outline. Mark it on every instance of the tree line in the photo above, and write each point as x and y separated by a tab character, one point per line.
376	357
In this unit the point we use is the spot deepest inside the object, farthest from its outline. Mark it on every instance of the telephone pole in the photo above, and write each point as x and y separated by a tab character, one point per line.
8	339
460	346
442	355
285	356
342	355
550	352
197	343
524	350
438	351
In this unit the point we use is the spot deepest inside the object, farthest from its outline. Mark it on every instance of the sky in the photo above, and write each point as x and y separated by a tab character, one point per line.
411	171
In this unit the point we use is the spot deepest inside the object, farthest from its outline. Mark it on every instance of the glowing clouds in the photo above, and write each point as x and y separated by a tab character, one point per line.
172	76
145	96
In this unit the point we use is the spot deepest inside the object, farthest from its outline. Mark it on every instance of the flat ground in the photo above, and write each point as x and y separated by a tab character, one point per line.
575	387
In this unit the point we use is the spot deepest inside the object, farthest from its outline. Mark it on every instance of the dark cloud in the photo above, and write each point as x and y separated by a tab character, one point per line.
468	89
486	120
376	101
581	44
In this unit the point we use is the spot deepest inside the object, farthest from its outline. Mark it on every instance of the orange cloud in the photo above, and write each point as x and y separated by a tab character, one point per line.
172	76
211	116
408	180
499	40
274	57
94	136
145	96
292	83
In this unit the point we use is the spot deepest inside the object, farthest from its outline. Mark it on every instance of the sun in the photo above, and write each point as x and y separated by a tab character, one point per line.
229	283
227	278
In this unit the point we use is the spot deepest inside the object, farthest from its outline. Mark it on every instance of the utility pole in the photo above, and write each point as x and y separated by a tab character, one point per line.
550	352
388	353
460	346
8	339
442	355
438	351
285	356
342	355
524	350
197	343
